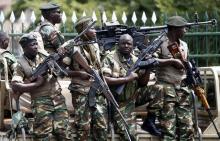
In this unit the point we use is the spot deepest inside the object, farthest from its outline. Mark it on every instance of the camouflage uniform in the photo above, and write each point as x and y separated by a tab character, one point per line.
89	122
48	104
11	62
115	65
170	100
52	37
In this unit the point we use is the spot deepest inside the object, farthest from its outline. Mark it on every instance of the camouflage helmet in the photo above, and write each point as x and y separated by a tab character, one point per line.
49	6
176	21
83	23
27	38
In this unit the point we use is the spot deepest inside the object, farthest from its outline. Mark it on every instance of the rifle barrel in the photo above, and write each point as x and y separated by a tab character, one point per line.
158	28
211	22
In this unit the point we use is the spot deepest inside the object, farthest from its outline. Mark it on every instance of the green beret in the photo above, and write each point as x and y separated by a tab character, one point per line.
176	21
49	6
27	38
83	23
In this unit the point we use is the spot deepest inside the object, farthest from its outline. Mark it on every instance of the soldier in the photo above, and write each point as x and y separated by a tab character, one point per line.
11	62
115	67
52	38
48	104
89	121
172	100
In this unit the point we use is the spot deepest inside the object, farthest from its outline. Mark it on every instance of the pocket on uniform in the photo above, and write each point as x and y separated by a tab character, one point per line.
169	93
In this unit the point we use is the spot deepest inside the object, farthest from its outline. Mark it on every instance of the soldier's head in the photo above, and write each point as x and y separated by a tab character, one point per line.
4	40
51	12
125	44
29	44
177	25
82	24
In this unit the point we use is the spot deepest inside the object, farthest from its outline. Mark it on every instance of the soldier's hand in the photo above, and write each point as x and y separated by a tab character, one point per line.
39	80
62	50
53	36
85	75
132	76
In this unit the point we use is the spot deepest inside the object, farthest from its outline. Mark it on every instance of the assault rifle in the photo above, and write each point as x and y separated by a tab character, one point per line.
111	33
50	63
99	85
193	80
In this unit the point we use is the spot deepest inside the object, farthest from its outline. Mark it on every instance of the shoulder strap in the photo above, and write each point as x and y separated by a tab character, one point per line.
3	51
25	65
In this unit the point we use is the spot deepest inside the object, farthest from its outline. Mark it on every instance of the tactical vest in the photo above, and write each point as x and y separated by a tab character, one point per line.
50	86
11	61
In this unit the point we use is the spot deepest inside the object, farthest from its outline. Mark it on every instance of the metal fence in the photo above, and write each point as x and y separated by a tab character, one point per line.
203	41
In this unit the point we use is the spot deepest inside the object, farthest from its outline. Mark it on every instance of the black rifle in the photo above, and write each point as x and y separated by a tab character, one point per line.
149	50
100	86
108	37
50	63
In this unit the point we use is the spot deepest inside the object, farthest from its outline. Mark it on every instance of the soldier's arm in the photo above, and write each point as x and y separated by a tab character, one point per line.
81	74
143	77
121	80
108	74
27	87
170	62
55	38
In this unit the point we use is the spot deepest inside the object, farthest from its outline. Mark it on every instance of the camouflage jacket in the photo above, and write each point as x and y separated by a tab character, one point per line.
51	36
115	65
11	61
170	74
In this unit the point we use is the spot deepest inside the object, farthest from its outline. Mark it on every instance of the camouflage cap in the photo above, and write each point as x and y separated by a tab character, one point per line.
26	38
49	6
83	23
176	21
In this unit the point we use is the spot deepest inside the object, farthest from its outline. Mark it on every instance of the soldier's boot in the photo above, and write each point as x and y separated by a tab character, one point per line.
150	126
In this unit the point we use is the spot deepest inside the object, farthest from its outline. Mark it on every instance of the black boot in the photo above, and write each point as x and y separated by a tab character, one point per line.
149	125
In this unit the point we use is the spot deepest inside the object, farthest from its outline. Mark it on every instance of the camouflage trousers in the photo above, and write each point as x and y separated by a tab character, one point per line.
173	106
119	125
90	123
127	108
50	118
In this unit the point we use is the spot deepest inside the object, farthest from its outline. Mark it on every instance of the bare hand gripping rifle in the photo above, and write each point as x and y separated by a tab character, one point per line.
193	80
